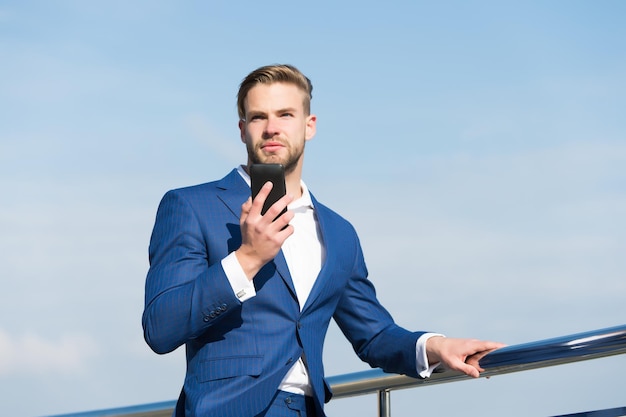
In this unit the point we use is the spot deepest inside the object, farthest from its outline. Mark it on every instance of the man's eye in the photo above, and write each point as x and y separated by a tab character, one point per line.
286	115
257	117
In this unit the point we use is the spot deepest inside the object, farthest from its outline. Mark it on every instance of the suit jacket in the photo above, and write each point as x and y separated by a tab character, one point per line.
238	353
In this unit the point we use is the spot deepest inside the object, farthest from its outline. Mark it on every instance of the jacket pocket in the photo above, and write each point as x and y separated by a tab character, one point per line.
228	367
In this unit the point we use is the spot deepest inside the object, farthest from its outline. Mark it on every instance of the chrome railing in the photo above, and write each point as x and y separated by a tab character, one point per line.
550	352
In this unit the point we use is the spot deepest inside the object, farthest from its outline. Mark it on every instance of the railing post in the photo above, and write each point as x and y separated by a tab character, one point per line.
384	403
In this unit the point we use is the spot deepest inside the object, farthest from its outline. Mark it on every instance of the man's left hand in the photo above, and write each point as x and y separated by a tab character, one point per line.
461	355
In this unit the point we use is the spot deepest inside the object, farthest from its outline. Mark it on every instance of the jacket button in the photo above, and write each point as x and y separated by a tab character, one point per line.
288	400
206	318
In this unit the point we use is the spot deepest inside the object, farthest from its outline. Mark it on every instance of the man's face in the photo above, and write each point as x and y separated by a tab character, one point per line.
275	126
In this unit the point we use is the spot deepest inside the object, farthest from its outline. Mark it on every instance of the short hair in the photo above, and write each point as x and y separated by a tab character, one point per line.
269	74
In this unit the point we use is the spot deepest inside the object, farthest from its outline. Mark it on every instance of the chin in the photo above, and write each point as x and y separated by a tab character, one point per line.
271	159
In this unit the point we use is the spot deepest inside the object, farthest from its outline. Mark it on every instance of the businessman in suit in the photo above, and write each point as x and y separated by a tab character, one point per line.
251	296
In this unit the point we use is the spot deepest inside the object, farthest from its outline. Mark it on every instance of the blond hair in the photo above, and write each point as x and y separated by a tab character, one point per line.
270	74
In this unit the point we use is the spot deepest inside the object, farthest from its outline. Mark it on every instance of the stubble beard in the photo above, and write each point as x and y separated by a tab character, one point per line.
290	162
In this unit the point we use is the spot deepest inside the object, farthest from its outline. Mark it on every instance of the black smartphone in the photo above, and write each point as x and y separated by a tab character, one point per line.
262	173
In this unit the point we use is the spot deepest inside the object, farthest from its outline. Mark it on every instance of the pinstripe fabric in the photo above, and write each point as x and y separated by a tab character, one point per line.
287	404
238	353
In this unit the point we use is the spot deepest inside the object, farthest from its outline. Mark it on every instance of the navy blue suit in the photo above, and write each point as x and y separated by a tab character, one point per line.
238	353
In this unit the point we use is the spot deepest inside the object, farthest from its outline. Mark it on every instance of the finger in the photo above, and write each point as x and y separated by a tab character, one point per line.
491	346
479	347
474	361
245	207
281	224
276	210
245	210
481	351
467	369
259	199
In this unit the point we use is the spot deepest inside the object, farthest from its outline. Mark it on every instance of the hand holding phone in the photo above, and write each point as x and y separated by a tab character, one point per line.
262	240
274	173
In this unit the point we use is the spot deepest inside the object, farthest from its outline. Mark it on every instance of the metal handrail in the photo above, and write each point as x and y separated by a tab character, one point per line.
549	352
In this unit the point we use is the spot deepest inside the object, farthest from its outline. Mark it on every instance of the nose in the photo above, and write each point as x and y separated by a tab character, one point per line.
271	127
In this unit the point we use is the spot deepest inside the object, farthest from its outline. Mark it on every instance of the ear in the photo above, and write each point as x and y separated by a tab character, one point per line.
242	130
310	128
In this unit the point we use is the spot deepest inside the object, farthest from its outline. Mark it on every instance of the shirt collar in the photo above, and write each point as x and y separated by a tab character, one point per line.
303	202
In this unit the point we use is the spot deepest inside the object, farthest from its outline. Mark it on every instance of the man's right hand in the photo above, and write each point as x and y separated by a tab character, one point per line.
261	235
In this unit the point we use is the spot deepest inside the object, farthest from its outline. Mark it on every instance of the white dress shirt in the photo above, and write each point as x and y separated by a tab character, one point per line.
304	253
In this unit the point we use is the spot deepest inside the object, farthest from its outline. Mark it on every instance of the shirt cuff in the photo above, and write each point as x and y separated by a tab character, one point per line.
241	285
424	370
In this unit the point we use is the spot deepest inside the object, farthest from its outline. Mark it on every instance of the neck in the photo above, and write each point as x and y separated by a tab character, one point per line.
292	181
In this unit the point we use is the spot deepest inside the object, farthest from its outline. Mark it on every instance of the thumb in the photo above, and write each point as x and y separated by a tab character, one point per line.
463	367
245	207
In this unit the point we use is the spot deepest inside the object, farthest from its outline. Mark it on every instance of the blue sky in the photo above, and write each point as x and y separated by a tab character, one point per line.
478	147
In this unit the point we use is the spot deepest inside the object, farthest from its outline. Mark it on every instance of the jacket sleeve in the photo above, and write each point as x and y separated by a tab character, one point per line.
186	292
369	327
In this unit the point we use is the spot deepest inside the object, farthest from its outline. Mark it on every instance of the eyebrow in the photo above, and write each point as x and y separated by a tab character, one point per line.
252	113
255	113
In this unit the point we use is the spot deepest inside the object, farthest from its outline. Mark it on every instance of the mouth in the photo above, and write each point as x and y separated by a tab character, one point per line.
272	146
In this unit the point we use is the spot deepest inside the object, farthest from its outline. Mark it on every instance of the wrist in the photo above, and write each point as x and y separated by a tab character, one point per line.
248	262
433	349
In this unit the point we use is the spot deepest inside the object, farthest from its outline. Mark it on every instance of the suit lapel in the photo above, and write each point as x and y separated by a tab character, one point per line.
283	271
235	192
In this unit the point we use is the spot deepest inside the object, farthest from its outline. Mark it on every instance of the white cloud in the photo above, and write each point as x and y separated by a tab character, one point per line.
30	353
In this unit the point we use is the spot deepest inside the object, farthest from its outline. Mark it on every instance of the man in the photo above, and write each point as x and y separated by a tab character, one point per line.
251	295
